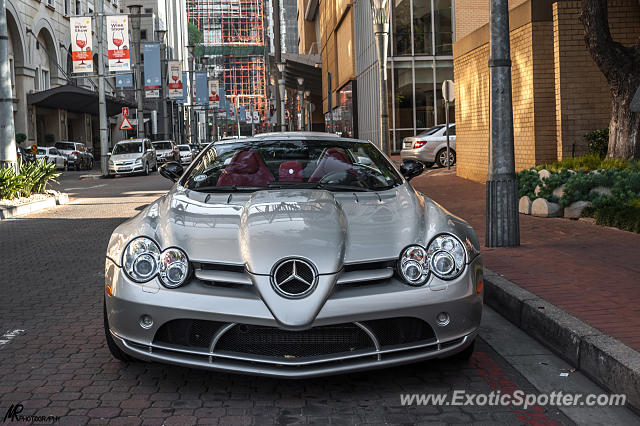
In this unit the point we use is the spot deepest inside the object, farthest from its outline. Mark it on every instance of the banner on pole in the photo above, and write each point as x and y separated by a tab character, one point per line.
175	78
124	79
222	103
242	114
201	88
82	44
184	99
118	42
248	117
214	96
152	79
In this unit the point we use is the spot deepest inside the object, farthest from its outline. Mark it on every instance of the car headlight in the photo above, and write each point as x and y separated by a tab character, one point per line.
140	259
414	265
138	160
446	256
174	267
111	162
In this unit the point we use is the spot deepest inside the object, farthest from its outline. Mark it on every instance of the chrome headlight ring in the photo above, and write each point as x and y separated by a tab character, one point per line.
142	261
447	256
413	265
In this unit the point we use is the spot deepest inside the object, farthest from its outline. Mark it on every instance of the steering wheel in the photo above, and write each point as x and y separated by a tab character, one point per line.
343	178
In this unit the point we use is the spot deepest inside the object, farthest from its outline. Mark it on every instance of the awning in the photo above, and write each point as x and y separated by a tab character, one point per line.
76	99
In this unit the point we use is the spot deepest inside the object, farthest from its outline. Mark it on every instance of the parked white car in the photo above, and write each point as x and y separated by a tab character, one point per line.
430	146
51	155
186	155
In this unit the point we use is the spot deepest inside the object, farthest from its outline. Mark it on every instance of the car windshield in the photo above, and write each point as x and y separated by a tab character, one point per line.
127	148
281	164
65	145
184	148
431	131
162	145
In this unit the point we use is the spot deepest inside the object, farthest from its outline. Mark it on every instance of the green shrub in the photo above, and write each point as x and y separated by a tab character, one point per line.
32	178
20	137
598	142
527	182
621	217
588	163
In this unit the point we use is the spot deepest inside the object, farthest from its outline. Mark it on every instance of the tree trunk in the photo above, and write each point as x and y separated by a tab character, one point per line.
621	67
624	128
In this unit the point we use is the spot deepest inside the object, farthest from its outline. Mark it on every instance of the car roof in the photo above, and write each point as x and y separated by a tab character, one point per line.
130	141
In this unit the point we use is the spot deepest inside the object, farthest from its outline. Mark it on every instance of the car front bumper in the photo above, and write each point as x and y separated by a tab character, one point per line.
126	170
241	310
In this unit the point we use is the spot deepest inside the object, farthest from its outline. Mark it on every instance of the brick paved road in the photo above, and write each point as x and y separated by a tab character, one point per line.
52	282
590	271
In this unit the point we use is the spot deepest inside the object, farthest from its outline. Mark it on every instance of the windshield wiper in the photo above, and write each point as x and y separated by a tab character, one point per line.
317	185
228	188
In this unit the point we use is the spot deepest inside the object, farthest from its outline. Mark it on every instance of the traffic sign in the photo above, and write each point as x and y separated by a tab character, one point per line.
126	124
448	91
125	111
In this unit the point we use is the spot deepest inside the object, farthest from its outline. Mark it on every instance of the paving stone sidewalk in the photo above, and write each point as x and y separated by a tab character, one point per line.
592	272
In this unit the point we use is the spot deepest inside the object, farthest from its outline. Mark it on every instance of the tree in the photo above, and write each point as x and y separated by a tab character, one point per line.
195	35
621	67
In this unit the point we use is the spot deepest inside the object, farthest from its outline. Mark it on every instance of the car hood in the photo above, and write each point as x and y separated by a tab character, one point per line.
259	229
124	157
163	151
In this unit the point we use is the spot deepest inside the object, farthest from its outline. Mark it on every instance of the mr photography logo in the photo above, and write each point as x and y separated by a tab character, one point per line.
14	414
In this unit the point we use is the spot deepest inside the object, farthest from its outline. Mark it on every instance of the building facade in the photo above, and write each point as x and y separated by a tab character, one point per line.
41	75
559	94
420	59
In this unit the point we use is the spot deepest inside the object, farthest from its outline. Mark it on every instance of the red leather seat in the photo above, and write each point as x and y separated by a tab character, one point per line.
246	169
334	160
290	171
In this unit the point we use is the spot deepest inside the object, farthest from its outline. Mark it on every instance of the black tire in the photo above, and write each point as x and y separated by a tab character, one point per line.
66	166
90	164
78	166
146	169
116	352
465	354
441	157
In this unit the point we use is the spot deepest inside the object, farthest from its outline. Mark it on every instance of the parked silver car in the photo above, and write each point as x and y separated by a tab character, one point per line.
78	156
51	155
166	151
292	255
132	156
430	146
186	154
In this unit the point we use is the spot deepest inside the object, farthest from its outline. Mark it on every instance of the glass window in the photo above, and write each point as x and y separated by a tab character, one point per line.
422	27
403	86
444	71
401	27
443	27
400	135
424	94
127	148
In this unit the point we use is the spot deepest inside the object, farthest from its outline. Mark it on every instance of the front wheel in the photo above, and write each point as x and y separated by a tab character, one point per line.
146	169
65	167
441	157
116	352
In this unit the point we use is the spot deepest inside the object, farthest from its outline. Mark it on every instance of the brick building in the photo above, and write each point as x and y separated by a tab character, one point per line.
558	92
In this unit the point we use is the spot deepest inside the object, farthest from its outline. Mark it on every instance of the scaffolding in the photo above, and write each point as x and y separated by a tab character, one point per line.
234	41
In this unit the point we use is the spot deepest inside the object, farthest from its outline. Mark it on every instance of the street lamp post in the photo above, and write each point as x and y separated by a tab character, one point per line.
502	227
8	154
300	102
192	123
380	15
307	94
134	10
161	34
281	68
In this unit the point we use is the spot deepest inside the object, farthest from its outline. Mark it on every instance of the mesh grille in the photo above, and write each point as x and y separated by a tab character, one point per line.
398	331
294	287
274	342
186	332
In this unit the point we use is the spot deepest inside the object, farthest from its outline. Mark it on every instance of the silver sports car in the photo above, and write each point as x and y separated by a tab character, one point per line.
292	255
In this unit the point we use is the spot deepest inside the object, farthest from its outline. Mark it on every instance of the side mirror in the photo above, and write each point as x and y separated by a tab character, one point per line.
411	169
171	171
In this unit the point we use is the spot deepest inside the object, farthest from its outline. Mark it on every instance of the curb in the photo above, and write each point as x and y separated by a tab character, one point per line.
607	361
10	212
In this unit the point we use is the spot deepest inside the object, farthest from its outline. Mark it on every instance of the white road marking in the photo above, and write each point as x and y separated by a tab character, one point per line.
9	336
85	187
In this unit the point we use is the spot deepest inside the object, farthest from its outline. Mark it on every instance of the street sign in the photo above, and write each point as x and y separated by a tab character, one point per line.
448	91
635	102
125	111
126	124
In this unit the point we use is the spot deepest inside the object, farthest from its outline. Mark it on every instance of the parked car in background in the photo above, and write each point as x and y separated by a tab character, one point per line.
430	146
24	155
77	154
166	151
51	155
186	155
195	148
132	156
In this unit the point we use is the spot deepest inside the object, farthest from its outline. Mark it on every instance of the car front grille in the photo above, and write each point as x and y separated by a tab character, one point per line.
274	345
